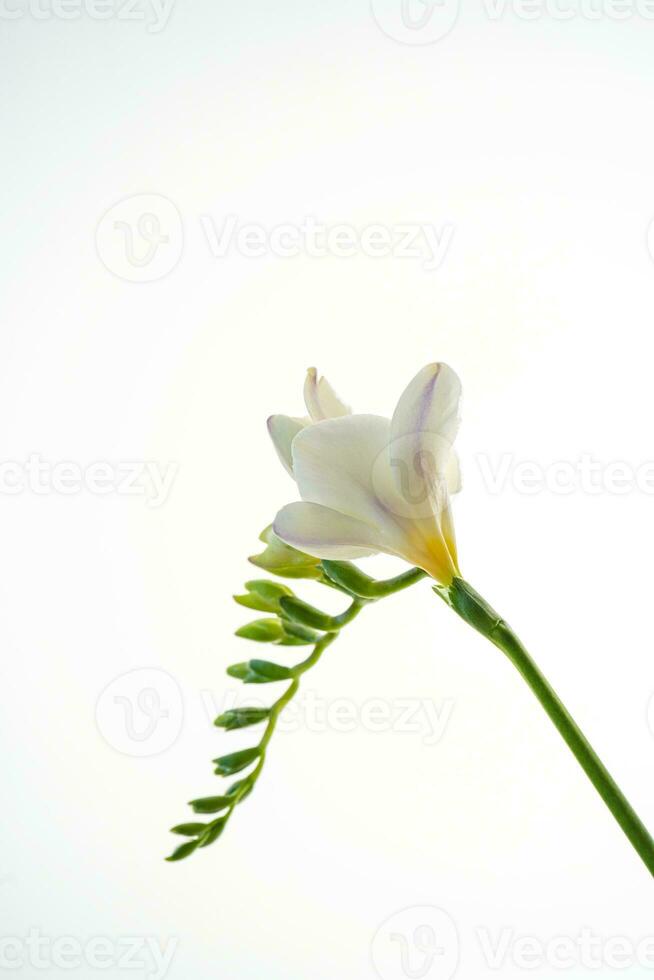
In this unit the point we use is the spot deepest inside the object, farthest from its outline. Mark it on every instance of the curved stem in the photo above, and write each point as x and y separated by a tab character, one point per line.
347	576
275	711
475	611
383	588
330	627
352	611
390	586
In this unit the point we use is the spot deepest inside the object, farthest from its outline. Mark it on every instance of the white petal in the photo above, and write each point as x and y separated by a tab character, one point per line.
423	429
332	405
324	533
321	400
343	464
283	430
453	473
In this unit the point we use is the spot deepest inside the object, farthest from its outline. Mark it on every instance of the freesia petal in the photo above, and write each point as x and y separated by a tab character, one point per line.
423	428
429	405
332	405
453	473
283	430
343	464
321	400
324	533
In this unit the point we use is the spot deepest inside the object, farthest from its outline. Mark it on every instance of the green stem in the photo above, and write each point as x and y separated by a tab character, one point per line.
476	611
277	709
390	586
343	577
311	660
347	576
350	613
382	589
387	587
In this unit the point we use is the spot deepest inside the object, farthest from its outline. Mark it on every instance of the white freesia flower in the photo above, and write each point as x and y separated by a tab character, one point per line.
369	484
322	403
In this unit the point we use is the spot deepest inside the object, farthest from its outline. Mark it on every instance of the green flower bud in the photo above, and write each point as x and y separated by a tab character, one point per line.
271	671
262	631
210	804
259	672
264	595
189	829
228	765
241	718
183	851
281	559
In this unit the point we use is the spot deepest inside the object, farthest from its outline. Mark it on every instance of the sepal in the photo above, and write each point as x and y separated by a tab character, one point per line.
470	606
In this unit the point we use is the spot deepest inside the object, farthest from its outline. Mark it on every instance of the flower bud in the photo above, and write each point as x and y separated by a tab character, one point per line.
282	559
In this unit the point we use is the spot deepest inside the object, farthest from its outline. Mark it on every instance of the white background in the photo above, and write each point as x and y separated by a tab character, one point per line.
533	140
